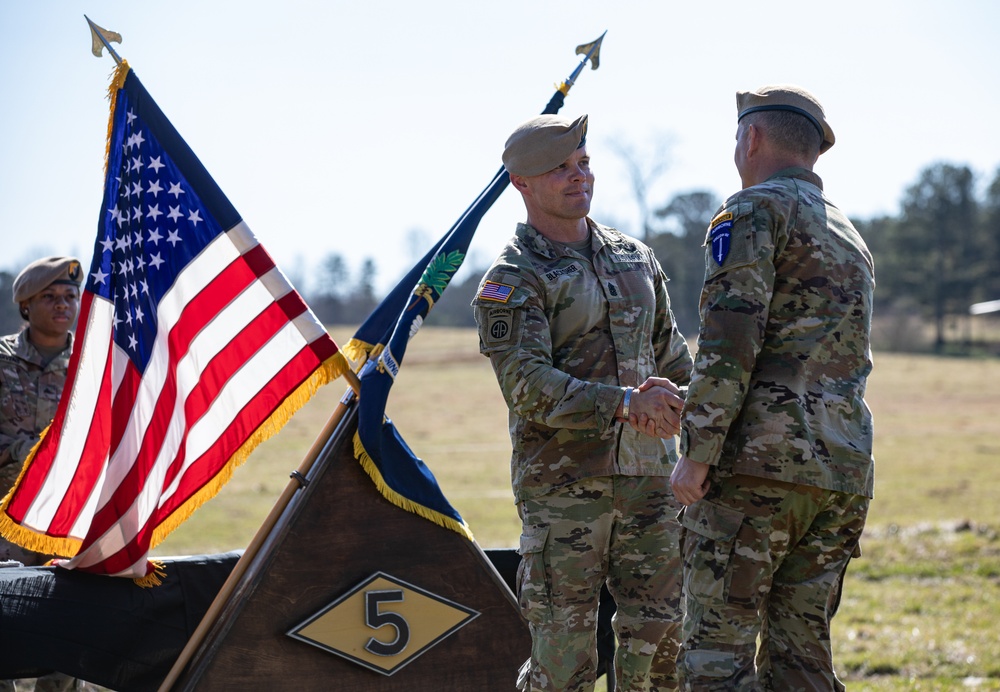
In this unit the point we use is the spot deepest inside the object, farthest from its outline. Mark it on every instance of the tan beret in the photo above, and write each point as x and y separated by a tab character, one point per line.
41	274
543	143
786	98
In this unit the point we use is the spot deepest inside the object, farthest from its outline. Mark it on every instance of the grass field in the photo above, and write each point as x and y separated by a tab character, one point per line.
921	608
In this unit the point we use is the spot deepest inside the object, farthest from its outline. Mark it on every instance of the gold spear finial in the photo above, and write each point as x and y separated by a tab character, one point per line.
101	39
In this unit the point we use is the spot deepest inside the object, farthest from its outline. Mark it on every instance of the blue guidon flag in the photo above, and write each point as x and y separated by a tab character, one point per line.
192	348
720	235
378	346
399	475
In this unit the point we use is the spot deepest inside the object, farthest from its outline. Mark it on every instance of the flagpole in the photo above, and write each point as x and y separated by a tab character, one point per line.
591	52
296	483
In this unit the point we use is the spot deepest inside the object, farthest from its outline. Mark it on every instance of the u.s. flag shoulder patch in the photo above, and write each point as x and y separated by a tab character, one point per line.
492	290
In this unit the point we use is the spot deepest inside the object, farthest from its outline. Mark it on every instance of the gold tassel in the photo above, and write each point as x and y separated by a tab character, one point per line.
155	576
359	351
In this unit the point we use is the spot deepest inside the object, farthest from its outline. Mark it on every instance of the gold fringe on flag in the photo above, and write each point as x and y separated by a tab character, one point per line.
117	82
26	538
66	547
358	351
401	501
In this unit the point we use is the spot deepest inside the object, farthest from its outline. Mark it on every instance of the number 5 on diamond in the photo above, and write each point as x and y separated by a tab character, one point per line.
376	619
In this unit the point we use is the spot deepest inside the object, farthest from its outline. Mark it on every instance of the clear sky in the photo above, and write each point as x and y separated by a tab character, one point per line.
367	127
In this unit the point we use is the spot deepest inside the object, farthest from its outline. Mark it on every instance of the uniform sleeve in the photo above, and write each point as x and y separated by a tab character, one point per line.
19	447
673	358
739	283
15	444
515	335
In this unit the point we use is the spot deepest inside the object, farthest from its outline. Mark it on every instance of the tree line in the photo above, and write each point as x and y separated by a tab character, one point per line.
933	260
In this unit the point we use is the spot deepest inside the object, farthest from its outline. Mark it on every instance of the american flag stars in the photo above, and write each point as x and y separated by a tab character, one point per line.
144	235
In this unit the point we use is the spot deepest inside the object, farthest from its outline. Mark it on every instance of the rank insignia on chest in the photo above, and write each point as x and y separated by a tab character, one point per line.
492	290
719	236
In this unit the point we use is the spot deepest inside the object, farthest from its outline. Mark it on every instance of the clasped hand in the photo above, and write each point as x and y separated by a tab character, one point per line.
655	408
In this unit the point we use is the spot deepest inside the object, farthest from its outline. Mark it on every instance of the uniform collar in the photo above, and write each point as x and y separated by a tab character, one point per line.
799	173
542	246
25	350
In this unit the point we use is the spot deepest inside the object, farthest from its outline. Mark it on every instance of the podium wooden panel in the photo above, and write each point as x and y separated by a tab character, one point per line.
336	533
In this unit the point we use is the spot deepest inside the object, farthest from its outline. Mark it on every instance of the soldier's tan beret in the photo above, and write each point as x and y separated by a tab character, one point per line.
786	98
41	274
542	143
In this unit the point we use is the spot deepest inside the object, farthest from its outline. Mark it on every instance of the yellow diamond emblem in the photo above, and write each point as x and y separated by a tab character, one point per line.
383	623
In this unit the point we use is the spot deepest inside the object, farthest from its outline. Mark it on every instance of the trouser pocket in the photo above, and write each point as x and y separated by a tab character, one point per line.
709	540
533	588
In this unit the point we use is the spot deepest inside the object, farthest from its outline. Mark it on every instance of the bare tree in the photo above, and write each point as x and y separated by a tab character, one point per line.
644	166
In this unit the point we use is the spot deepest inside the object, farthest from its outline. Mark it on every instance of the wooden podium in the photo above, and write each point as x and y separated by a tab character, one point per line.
349	592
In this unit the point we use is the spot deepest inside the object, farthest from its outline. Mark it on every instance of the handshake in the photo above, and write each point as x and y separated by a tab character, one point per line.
654	408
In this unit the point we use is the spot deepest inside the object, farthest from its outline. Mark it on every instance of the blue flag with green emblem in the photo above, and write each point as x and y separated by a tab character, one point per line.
398	473
380	343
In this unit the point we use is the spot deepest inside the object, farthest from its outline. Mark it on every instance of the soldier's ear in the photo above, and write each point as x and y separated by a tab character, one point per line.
518	181
755	139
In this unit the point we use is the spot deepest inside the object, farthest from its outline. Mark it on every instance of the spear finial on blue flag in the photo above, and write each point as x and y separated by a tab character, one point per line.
589	51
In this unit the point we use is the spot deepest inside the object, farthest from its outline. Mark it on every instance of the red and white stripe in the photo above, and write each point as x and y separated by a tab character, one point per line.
129	450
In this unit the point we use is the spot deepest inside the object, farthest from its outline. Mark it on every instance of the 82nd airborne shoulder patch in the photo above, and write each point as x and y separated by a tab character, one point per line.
499	327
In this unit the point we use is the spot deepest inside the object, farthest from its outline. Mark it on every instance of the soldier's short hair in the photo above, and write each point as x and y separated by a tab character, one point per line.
792	132
793	100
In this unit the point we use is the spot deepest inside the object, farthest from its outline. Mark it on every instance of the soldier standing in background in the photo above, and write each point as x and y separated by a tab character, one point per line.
573	316
33	366
776	470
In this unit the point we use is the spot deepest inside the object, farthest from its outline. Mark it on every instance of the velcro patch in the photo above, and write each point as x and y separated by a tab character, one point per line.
499	326
719	236
628	257
492	290
573	268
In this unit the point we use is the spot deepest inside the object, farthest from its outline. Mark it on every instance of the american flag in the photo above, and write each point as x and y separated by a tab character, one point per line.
192	348
494	291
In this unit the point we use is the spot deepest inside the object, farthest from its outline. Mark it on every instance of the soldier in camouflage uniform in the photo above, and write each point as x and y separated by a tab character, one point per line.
776	439
33	366
573	316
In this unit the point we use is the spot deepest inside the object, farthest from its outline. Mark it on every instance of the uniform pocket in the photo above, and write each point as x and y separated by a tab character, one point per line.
533	589
709	541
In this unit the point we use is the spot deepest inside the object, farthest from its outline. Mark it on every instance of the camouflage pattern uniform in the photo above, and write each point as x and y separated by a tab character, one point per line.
30	391
565	331
776	407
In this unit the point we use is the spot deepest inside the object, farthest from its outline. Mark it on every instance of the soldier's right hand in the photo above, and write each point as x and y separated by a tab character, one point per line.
656	411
